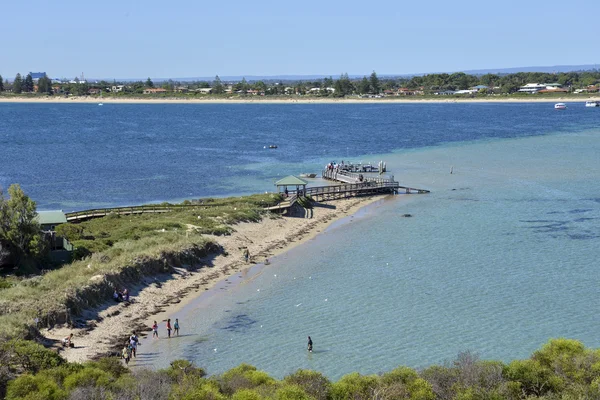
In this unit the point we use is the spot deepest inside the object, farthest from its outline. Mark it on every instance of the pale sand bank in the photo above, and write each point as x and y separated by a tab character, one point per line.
292	100
268	238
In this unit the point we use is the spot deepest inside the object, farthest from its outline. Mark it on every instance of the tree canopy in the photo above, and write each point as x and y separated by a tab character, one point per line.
18	84
19	229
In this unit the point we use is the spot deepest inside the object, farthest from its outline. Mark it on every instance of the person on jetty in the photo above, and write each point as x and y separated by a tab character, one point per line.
176	327
155	330
169	327
246	254
310	345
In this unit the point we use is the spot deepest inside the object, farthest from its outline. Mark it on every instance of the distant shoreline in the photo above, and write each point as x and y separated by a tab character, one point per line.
263	100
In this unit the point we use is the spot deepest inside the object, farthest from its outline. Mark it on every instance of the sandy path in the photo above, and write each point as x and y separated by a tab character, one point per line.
108	326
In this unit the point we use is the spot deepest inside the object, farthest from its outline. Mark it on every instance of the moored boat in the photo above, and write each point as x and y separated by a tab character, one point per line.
592	103
560	106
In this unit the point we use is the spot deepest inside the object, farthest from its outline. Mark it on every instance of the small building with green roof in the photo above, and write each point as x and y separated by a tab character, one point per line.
49	220
290	181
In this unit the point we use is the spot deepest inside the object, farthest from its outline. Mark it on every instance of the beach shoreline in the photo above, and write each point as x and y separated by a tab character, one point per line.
291	100
158	298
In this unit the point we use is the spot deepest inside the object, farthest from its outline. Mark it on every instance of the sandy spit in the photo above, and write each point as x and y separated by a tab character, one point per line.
291	100
109	325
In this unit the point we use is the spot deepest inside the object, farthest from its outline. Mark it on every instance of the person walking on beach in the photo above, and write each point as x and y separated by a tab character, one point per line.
246	254
126	353
169	327
176	327
310	345
133	341
155	330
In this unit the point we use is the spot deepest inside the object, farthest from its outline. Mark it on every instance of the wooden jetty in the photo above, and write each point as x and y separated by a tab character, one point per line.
78	216
366	181
351	185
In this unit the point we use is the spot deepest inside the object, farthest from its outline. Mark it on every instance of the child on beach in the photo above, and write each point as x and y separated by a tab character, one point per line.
176	326
169	327
126	353
155	330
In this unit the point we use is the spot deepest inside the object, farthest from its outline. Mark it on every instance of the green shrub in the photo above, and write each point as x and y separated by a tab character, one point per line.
181	368
29	356
111	365
354	387
29	387
312	382
88	376
291	392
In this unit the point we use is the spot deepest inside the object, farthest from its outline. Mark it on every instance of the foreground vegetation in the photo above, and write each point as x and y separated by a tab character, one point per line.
117	250
561	369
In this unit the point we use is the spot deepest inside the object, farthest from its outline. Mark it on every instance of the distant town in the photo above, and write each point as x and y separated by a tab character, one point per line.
457	84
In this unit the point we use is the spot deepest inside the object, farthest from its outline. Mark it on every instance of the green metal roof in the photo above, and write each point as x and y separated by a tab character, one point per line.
51	217
290	181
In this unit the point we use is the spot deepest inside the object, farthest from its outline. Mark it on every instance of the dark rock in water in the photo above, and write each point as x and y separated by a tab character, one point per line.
453	189
407	215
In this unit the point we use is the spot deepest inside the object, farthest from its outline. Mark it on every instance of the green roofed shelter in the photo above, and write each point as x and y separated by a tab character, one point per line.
291	181
50	219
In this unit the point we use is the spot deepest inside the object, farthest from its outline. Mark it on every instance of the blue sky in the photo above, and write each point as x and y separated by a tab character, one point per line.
186	38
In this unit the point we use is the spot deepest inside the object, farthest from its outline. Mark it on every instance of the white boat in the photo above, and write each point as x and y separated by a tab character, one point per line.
592	103
560	106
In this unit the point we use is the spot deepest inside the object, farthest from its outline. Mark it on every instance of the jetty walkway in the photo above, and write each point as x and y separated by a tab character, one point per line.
350	185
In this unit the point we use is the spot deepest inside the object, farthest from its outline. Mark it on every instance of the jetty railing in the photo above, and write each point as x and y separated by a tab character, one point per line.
145	209
353	177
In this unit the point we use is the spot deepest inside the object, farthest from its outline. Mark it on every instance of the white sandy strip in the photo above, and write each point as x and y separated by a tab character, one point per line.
291	100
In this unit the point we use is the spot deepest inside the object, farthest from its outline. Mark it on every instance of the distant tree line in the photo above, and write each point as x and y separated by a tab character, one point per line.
343	86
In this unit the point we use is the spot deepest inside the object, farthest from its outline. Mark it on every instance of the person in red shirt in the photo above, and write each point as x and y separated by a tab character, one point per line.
169	327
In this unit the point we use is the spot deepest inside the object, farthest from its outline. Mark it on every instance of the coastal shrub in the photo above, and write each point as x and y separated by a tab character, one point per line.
111	365
354	386
312	382
243	376
5	283
535	379
29	356
30	387
184	368
291	392
88	376
404	382
442	380
246	394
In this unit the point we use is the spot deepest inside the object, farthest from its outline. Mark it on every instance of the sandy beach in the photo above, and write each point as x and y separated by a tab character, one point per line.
290	100
156	299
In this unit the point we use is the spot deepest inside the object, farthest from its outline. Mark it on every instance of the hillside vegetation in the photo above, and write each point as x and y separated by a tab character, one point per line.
117	249
561	369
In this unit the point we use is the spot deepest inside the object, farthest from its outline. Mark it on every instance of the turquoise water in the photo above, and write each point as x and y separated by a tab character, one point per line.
500	257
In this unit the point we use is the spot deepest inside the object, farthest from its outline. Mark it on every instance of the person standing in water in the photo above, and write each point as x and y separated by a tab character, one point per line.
176	327
169	327
310	344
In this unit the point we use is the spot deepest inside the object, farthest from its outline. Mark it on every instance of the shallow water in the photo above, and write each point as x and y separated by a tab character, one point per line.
500	257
